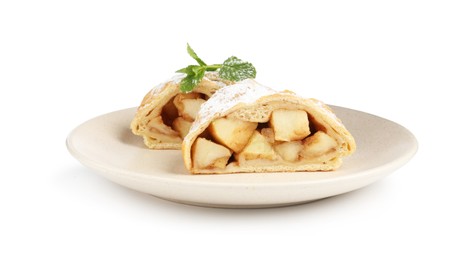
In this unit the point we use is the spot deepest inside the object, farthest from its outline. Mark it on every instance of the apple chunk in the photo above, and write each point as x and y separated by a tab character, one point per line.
268	133
156	125
178	99
317	144
207	154
257	148
190	108
169	112
289	151
188	104
289	125
182	126
157	130
233	133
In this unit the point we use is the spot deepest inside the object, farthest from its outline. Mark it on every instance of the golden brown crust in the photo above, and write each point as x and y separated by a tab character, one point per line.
253	102
150	110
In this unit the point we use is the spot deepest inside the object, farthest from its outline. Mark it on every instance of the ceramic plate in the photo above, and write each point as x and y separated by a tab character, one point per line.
106	145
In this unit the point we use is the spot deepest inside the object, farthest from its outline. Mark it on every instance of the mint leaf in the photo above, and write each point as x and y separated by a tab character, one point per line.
191	69
193	54
236	70
232	69
192	79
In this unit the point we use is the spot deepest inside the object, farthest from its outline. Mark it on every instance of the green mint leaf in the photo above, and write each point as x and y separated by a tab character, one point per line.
182	70
236	70
232	69
193	54
191	69
188	83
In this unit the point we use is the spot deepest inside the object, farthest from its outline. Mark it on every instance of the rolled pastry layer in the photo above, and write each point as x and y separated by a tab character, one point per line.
165	114
248	127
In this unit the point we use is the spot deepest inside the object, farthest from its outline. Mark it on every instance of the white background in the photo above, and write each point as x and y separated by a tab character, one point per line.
64	62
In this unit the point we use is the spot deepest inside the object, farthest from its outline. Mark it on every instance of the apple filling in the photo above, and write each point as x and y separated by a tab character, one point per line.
288	137
172	122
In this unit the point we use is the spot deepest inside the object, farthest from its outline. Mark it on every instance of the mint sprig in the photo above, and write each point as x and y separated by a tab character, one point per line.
235	69
232	69
193	54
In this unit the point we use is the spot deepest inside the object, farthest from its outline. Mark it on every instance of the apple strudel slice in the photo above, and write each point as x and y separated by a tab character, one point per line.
248	127
166	114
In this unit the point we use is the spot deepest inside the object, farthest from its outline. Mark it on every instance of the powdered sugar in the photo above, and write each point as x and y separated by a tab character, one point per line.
175	79
211	76
246	91
325	109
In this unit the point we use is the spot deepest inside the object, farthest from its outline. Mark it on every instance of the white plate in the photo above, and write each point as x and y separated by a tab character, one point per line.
106	145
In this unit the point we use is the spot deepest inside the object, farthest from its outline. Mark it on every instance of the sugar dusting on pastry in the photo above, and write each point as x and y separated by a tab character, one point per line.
246	91
327	110
175	79
211	76
249	101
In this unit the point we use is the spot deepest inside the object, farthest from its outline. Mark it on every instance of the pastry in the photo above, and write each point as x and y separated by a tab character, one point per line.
248	127
166	114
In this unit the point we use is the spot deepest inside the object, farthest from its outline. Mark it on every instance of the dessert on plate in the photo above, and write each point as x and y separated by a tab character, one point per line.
226	122
166	113
247	127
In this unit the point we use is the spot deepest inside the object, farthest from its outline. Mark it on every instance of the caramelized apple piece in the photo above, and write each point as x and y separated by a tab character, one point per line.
188	104
156	125
169	112
257	148
207	154
317	144
159	131
268	133
289	151
182	96
182	126
191	107
233	133
289	125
